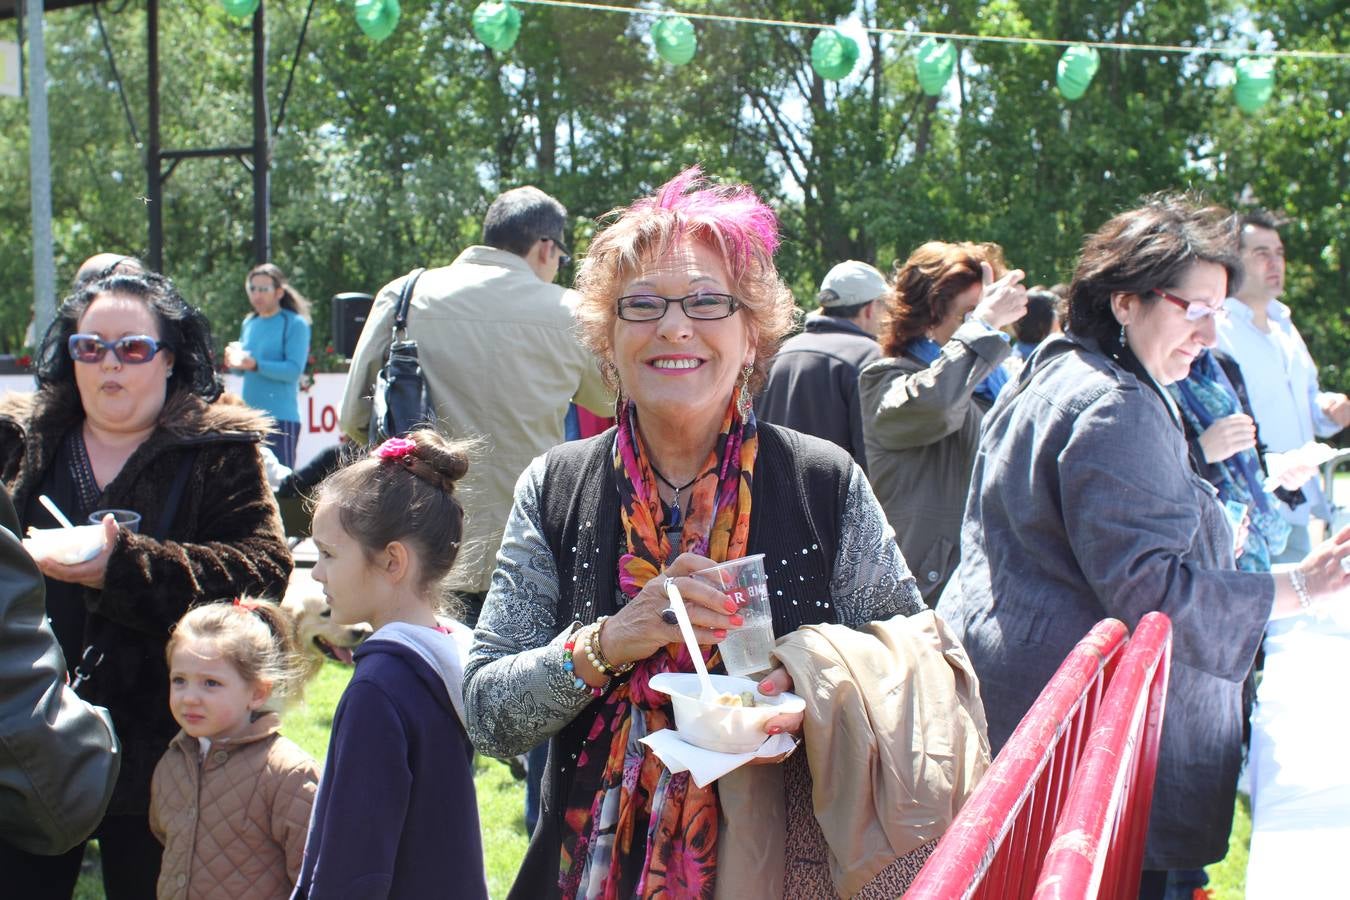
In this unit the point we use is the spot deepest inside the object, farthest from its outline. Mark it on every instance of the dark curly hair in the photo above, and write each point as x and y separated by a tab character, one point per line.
922	290
182	329
1143	249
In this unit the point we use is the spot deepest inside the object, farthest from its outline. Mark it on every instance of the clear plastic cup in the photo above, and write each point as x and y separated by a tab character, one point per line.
745	650
126	518
235	355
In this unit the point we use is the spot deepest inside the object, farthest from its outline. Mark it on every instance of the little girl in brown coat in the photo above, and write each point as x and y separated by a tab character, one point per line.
231	798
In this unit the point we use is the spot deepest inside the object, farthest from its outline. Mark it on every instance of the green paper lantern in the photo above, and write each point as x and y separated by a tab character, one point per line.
833	55
1077	67
497	25
674	39
934	64
377	18
1255	83
240	9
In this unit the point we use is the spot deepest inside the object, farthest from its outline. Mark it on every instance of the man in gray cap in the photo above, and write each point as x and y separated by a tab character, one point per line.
813	385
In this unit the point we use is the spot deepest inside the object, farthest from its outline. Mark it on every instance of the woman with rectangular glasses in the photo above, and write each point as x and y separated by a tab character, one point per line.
1085	504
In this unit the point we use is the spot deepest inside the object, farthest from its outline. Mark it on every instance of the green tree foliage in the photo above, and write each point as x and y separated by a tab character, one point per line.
1293	157
390	152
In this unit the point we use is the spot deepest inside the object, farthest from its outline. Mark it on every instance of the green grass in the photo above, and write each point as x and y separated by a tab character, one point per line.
501	802
1228	878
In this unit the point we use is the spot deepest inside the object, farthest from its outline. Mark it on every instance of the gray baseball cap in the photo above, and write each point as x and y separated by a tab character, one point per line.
853	283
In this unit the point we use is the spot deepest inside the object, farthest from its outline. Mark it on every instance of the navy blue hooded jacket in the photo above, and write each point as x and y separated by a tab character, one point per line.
396	814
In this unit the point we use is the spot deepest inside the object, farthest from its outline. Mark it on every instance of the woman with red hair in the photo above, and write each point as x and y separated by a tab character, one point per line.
943	347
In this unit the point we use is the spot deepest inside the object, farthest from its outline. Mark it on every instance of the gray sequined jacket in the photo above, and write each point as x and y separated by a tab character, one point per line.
516	692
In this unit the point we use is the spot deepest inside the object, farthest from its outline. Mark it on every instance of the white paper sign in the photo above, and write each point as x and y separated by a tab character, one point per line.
318	408
9	68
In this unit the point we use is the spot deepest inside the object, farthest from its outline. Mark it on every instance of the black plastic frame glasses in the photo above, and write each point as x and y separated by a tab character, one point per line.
704	305
132	350
565	259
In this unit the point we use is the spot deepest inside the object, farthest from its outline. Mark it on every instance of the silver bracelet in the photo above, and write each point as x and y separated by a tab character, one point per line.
1300	583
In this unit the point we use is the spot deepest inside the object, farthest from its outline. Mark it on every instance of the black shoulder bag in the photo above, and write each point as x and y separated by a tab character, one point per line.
400	401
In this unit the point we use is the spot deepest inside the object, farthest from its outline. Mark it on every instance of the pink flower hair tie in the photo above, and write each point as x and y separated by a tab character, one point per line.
396	448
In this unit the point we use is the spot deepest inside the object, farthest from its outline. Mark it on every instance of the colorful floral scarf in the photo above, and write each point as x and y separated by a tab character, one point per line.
1204	396
630	828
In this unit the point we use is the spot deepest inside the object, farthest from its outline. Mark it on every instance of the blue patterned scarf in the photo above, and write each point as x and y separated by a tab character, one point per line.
1205	396
926	350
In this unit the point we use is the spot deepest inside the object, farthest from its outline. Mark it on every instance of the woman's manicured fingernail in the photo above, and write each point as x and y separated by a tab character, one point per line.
774	729
719	633
765	686
730	605
737	620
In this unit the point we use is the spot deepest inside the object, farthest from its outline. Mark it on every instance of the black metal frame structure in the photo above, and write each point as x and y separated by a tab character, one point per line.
256	156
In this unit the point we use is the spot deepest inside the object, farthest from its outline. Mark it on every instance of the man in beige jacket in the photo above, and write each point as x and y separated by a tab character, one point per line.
495	339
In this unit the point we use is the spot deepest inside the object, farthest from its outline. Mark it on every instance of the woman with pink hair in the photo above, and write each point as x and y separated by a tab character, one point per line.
684	308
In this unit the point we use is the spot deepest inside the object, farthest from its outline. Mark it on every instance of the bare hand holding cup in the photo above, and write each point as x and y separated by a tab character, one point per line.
639	629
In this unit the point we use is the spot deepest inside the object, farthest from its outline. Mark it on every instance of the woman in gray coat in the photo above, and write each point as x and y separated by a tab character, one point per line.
922	404
1084	505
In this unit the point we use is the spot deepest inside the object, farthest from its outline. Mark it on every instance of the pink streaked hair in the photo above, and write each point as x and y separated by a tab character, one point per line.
729	219
744	223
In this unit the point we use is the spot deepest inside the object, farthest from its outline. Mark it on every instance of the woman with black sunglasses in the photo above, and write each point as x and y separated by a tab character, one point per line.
124	418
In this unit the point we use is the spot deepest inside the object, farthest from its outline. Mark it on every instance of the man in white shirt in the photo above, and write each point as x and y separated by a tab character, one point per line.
1281	377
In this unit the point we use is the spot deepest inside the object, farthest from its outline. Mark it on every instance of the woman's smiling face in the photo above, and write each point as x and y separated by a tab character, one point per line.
675	368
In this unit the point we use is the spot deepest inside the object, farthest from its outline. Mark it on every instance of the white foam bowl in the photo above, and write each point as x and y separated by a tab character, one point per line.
65	545
726	729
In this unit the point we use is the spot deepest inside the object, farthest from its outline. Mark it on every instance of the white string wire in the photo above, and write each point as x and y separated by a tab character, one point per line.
1329	55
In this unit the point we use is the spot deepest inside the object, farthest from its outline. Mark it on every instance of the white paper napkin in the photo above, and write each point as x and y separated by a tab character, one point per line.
1312	454
706	766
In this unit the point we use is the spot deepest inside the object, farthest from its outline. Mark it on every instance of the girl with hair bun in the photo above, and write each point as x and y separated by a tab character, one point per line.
230	668
388	529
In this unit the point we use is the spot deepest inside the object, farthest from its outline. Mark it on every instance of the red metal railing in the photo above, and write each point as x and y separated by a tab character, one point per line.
1098	846
995	846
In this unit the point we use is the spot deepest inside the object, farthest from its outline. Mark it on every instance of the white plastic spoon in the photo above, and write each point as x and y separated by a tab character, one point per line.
54	510
709	694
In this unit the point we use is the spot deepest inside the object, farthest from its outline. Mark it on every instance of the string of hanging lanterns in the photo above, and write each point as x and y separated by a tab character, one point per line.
834	55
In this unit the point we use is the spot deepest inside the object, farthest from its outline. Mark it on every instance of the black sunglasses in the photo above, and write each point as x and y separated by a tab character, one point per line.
565	258
131	350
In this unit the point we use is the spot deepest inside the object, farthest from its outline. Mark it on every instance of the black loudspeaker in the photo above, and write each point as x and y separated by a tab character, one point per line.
349	317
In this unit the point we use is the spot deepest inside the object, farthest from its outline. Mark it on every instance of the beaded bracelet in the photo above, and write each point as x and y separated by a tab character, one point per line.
570	667
597	657
1300	583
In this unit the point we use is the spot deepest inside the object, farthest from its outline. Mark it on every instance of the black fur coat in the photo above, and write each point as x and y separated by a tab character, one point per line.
225	539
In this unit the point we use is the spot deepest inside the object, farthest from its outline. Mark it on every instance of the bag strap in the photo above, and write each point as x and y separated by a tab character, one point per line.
175	496
405	301
94	652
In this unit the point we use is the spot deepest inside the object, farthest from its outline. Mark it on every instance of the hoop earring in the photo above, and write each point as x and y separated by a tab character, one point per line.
743	393
610	374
